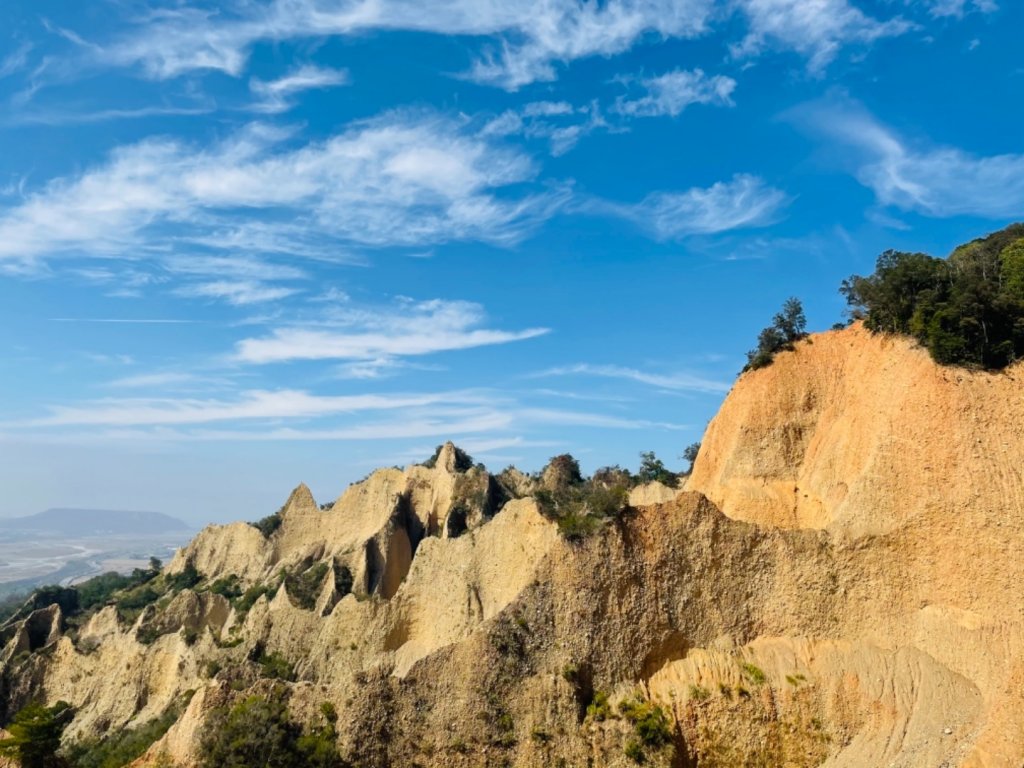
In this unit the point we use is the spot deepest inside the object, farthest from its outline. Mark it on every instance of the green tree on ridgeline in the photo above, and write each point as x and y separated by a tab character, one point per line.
788	326
965	310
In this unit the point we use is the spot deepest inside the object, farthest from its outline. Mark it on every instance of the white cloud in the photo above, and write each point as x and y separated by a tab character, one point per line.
548	108
671	93
234	267
397	180
532	35
744	201
559	123
237	292
957	8
254	405
154	380
816	29
274	94
410	329
294	415
85	117
15	61
934	180
685	382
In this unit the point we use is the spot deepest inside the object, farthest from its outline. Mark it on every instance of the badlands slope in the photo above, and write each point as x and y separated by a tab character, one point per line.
840	583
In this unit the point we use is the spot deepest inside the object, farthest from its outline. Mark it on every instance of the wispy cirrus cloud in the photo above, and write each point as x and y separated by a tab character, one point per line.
957	8
237	292
563	124
531	36
15	61
674	91
683	382
300	415
275	95
559	123
85	116
398	180
410	329
261	405
936	181
523	43
156	380
742	202
815	29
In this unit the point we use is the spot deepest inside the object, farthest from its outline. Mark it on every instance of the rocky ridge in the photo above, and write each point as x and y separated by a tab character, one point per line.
838	584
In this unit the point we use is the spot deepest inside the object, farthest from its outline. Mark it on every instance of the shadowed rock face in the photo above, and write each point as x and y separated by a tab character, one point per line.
839	584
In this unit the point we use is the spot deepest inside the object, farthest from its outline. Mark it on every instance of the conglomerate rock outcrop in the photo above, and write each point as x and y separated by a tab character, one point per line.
839	583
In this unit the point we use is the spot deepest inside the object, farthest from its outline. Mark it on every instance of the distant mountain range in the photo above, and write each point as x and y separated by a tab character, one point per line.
70	523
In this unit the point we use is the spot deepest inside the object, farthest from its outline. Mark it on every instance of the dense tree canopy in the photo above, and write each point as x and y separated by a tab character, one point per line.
966	310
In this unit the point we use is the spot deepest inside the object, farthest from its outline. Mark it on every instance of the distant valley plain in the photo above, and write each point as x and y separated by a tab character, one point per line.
63	546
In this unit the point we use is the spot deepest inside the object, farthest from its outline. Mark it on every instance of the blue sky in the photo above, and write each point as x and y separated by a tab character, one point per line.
248	244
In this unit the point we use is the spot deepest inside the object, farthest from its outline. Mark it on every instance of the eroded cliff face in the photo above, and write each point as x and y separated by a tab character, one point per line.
839	584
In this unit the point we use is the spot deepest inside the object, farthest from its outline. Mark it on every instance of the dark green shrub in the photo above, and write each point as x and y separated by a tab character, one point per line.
788	326
268	524
258	732
650	721
599	709
304	588
463	461
690	454
754	673
186	578
562	471
228	587
343	579
35	735
64	597
580	508
120	748
576	526
11	606
652	470
130	603
275	666
634	751
248	599
100	589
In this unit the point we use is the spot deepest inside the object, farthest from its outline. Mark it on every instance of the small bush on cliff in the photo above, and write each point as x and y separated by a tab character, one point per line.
581	506
186	578
788	326
267	525
35	735
260	732
275	666
463	461
120	748
966	310
653	470
248	599
304	588
228	587
652	728
690	454
599	709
